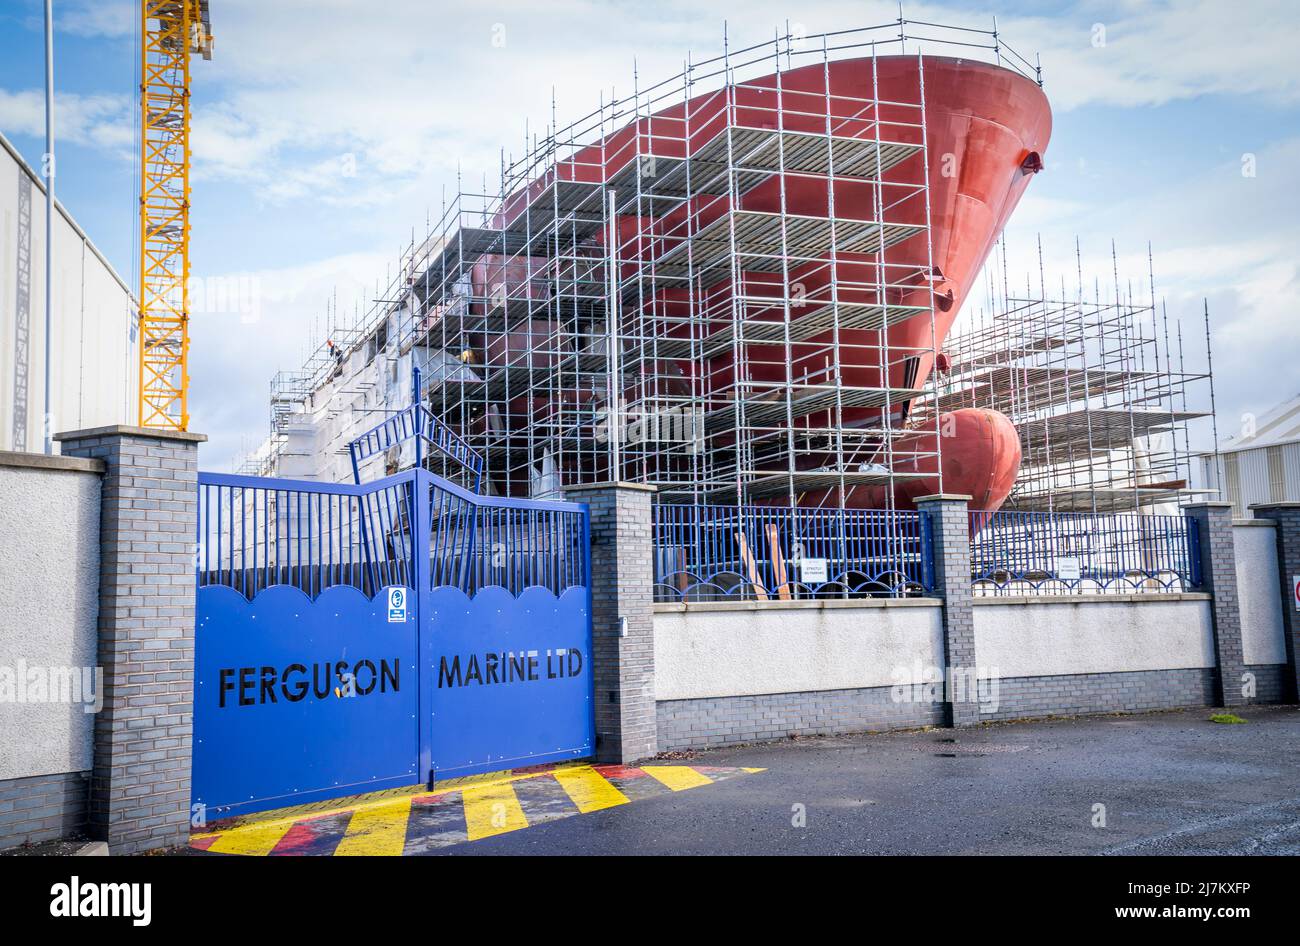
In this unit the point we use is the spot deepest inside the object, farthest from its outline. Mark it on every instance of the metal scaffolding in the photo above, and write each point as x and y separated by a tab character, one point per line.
1097	383
616	311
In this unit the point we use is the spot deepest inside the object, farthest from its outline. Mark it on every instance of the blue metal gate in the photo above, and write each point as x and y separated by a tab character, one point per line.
351	638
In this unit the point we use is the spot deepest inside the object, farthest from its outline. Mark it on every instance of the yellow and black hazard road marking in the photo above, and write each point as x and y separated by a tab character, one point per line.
459	810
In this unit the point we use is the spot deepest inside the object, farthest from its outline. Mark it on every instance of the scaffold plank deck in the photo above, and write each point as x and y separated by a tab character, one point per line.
1007	387
770	408
757	154
773	484
804	325
767	238
573	207
1105	428
1102	499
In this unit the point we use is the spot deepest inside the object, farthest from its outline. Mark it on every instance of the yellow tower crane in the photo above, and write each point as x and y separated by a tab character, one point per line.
171	30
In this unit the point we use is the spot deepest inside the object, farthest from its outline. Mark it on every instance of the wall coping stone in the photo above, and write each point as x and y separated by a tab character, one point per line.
947	497
1153	597
1284	504
1271	523
43	461
669	607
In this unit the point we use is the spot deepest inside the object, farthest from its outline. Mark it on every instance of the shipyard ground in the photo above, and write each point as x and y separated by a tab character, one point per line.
1172	783
1160	783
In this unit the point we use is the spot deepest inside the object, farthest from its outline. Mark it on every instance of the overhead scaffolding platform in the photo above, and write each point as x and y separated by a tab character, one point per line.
1100	391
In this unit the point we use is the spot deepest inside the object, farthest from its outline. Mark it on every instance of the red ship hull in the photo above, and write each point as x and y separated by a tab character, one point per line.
985	129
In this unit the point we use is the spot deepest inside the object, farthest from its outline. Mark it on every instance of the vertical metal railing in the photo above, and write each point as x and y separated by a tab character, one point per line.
771	553
510	544
255	532
1072	553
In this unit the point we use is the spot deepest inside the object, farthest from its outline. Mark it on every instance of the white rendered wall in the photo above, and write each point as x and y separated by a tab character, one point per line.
49	560
1053	637
1259	592
750	651
342	409
95	351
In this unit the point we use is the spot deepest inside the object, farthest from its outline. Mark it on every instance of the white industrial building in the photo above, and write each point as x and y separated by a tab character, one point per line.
95	337
1261	465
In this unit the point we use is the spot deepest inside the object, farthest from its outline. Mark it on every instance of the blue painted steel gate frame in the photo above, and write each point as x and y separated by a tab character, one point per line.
307	688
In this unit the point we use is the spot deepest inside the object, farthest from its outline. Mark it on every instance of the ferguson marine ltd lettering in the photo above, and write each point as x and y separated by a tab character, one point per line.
509	667
255	686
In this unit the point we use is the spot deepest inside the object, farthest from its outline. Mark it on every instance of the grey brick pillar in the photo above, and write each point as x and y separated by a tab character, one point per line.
1287	517
1219	577
140	780
950	531
622	595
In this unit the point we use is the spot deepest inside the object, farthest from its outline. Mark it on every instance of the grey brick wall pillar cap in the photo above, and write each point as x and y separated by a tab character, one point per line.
1284	504
126	430
609	484
1208	504
944	497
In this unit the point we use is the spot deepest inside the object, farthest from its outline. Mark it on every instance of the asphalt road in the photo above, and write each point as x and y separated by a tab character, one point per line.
1170	783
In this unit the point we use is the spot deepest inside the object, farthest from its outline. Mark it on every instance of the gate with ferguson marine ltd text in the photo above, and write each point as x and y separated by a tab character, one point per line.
356	637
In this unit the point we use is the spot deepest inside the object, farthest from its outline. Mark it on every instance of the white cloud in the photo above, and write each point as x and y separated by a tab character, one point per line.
97	121
237	350
96	18
1218	236
421	90
1155	53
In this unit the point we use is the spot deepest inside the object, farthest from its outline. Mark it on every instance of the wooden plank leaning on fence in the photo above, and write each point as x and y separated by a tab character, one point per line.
751	567
778	562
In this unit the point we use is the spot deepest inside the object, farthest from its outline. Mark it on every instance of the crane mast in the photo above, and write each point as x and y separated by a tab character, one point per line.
171	30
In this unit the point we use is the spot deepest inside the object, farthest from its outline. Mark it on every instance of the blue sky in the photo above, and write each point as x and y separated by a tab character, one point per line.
1150	130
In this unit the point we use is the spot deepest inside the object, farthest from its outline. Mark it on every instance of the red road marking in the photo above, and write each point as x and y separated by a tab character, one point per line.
430	799
303	834
619	771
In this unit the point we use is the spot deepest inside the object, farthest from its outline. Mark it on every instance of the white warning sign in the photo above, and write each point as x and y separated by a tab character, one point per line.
813	570
396	605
